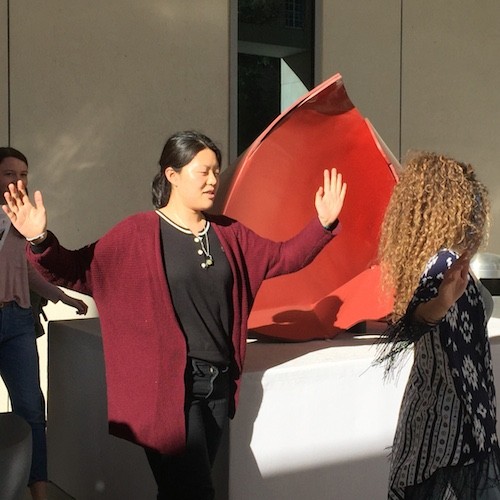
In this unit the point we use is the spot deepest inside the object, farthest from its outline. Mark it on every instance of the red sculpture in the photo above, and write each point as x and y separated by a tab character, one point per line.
271	189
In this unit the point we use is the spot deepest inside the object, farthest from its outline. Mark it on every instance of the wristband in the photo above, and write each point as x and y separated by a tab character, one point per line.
34	239
332	226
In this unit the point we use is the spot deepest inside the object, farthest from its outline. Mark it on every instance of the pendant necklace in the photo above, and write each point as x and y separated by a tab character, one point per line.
205	246
202	238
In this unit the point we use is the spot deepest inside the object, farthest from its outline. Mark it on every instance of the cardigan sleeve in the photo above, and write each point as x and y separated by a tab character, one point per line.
62	267
287	256
89	268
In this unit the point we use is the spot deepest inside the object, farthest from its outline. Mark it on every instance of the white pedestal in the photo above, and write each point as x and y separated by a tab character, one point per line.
314	418
84	460
314	422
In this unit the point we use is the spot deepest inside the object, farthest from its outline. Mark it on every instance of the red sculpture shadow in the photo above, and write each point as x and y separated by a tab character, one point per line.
271	189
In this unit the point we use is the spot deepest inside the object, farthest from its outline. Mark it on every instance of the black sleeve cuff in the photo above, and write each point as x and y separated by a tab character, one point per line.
40	248
332	226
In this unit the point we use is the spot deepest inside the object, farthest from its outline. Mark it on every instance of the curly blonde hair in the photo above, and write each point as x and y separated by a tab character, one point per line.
437	203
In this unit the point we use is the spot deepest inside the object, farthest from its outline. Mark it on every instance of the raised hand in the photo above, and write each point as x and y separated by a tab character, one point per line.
30	220
455	280
329	198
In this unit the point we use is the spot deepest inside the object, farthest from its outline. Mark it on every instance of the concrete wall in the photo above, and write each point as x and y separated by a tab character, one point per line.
4	120
361	40
3	73
451	78
425	73
96	88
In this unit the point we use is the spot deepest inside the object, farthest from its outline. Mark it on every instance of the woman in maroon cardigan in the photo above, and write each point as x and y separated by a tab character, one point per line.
174	288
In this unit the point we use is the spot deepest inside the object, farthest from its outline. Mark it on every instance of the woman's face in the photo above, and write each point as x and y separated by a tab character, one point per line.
195	185
11	171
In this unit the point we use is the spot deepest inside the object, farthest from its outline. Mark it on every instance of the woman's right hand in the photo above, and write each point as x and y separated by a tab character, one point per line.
452	287
455	280
30	220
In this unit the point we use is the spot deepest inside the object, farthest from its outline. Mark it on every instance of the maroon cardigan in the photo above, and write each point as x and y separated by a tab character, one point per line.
144	347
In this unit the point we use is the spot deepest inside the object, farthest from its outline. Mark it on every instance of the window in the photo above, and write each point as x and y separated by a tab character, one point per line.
275	61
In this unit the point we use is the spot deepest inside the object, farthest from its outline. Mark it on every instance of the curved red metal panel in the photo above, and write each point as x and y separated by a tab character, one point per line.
271	189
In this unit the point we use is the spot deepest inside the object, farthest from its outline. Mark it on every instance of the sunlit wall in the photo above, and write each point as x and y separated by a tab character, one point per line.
425	73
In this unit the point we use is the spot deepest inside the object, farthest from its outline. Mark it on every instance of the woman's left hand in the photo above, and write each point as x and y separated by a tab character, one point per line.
80	306
330	197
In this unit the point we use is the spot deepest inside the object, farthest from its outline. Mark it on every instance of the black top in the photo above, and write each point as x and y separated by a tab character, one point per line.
201	291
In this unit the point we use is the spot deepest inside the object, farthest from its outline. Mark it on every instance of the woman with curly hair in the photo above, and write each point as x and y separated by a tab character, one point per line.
445	446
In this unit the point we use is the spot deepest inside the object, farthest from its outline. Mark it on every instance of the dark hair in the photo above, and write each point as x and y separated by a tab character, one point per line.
8	152
178	151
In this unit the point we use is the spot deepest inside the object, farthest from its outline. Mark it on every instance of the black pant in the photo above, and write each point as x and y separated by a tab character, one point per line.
188	476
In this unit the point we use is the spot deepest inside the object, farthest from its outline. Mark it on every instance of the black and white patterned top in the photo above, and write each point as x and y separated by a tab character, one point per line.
448	412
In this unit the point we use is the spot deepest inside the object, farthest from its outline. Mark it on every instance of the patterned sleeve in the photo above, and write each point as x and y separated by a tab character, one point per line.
464	337
400	336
